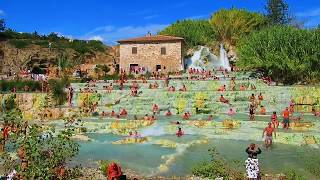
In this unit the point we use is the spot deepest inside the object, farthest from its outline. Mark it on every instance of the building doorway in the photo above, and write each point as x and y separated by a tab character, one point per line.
117	70
158	67
134	67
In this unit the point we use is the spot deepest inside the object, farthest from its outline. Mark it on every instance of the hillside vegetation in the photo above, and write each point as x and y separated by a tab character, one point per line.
195	32
287	54
269	42
31	50
23	40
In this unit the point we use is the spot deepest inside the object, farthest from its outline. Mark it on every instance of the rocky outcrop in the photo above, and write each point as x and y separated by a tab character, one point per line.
12	58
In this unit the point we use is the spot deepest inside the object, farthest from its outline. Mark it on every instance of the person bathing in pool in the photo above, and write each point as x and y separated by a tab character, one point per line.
180	132
176	123
231	112
263	110
168	113
123	112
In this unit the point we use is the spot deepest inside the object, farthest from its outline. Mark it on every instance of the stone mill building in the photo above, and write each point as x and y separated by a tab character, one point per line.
151	53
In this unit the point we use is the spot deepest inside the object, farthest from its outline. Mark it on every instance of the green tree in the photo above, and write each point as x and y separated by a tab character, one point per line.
231	25
36	35
53	36
194	32
2	25
287	54
217	167
42	153
278	12
57	90
104	68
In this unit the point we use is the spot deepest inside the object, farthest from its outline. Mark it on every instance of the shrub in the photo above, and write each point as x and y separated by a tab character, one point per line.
6	86
57	88
112	77
103	166
232	24
293	174
217	167
287	54
46	152
20	44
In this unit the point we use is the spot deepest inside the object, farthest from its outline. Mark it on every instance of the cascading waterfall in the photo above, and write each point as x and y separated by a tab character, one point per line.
204	59
224	59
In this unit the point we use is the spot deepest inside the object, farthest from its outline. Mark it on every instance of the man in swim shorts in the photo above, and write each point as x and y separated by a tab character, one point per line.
268	131
286	116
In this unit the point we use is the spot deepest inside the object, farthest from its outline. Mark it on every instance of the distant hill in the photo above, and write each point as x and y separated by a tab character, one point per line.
30	50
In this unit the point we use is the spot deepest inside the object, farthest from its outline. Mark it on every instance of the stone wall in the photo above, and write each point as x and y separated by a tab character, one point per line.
149	55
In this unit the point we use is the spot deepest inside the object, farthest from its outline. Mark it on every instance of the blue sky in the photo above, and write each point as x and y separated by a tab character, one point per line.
111	20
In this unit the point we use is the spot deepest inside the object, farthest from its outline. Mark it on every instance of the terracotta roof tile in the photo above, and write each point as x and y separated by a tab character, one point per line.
157	38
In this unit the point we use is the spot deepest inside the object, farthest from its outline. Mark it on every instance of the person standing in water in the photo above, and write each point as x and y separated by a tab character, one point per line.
251	113
70	96
268	131
274	120
252	163
286	116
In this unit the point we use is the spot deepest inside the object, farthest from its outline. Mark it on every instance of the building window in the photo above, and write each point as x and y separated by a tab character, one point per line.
163	51
134	50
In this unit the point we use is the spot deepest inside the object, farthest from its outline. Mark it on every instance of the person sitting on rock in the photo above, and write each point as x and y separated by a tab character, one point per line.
222	88
172	89
103	114
223	100
242	88
123	112
184	88
152	118
146	117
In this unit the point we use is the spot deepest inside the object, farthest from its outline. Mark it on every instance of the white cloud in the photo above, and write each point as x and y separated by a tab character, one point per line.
151	16
60	34
97	38
314	22
181	4
310	13
142	12
111	34
102	28
197	17
310	17
2	13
